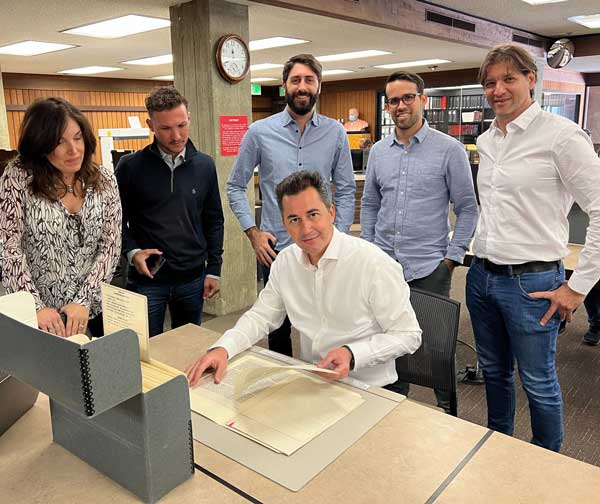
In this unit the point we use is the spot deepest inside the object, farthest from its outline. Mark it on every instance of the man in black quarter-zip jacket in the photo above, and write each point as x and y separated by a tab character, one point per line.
172	217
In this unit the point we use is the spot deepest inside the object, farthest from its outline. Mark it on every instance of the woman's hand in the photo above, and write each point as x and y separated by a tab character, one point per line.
77	318
49	320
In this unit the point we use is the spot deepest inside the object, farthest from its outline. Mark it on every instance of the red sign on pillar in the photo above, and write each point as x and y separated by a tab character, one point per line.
232	132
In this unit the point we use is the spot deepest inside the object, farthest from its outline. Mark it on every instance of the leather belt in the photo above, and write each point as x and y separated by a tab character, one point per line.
519	269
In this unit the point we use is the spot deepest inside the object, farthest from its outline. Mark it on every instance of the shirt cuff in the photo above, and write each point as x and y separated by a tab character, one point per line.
130	255
214	276
456	254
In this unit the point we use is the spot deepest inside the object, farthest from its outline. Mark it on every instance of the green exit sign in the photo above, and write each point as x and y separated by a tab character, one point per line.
256	89
281	91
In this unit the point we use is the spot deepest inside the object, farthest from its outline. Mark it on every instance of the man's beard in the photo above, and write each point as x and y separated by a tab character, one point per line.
301	110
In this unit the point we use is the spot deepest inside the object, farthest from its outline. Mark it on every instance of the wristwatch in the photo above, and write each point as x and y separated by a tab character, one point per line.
351	357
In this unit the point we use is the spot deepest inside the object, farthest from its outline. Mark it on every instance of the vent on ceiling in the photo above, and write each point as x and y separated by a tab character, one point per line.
435	17
527	41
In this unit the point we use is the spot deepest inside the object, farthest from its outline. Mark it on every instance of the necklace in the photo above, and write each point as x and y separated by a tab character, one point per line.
69	188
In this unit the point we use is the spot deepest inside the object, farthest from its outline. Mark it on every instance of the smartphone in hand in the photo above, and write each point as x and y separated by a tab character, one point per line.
154	263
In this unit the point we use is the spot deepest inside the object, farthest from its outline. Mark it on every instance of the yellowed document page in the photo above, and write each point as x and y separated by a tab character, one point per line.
276	406
123	309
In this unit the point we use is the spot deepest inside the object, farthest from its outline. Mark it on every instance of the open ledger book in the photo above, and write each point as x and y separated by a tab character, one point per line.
281	407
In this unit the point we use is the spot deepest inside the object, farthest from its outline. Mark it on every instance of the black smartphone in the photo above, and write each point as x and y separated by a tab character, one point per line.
154	263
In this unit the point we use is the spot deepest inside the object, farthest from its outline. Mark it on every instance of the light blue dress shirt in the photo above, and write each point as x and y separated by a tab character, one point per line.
406	198
276	146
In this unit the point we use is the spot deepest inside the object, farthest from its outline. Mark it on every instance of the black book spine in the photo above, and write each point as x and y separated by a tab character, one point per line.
86	382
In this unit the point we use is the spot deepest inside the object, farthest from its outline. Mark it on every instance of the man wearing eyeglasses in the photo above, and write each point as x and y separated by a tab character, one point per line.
412	177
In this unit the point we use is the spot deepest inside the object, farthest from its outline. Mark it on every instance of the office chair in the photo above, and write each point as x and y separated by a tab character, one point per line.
432	365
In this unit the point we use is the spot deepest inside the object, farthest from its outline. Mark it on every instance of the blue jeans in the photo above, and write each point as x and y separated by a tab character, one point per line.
185	302
506	325
592	306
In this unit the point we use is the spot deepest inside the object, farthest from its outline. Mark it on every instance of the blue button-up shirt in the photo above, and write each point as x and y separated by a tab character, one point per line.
406	198
276	146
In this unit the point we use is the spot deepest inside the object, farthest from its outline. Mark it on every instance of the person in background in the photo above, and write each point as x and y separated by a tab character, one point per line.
412	177
533	165
297	138
354	123
346	297
60	219
172	216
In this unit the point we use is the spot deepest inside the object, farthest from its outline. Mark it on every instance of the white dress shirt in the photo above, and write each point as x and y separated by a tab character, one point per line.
528	180
355	296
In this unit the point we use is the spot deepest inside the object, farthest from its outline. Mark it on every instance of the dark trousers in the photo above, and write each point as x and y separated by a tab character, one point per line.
280	340
592	306
437	282
185	302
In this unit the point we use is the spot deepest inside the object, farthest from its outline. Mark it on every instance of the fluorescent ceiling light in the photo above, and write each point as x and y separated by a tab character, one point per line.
120	27
336	72
153	60
32	48
417	63
263	79
164	77
89	70
264	66
258	45
591	21
468	86
353	55
540	2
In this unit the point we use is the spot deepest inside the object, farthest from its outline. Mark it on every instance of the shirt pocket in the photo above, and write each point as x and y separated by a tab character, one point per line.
430	183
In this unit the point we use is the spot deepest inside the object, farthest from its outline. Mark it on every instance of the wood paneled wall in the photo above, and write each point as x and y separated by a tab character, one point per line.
100	100
335	104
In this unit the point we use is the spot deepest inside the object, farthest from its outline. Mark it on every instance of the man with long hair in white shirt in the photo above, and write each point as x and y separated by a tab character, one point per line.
347	298
533	165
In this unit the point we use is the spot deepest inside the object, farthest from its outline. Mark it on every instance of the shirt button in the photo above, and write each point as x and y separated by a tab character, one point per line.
299	147
296	131
401	192
403	173
299	164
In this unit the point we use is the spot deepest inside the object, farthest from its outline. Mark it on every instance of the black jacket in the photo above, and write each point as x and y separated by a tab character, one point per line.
176	212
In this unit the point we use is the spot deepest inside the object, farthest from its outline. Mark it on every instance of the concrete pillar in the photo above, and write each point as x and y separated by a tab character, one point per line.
4	137
195	30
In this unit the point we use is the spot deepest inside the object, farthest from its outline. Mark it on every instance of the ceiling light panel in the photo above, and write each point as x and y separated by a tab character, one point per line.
164	77
408	64
353	55
89	70
591	21
33	48
153	60
268	43
540	2
336	72
120	27
265	66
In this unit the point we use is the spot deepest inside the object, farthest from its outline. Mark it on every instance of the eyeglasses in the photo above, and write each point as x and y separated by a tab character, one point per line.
407	98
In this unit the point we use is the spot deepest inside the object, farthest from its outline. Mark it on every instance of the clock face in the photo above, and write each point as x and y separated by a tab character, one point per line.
234	58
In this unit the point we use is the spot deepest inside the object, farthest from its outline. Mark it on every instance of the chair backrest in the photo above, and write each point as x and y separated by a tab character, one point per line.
432	365
5	157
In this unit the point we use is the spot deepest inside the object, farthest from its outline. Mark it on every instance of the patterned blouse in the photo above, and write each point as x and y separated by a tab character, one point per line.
57	256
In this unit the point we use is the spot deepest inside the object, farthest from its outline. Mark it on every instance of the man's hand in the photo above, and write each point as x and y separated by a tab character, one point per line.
49	320
564	299
215	359
340	358
77	318
211	287
260	243
139	261
451	264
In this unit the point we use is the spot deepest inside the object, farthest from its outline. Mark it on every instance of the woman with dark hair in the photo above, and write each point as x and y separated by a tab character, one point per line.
60	219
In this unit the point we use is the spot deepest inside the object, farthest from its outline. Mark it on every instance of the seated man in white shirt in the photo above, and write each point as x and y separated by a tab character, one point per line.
347	298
